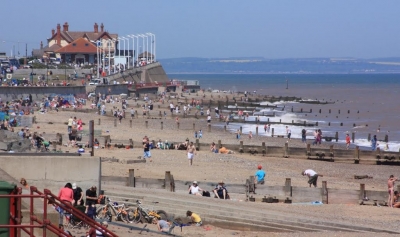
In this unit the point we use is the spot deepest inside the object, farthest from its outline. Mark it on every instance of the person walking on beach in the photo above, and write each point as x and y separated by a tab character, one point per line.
390	183
312	176
250	135
146	150
303	135
237	134
260	175
347	141
191	151
374	142
288	132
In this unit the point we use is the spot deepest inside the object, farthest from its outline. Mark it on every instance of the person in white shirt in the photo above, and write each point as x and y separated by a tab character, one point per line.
195	190
312	176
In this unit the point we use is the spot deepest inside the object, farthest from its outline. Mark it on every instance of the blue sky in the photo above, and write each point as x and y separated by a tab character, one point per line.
220	28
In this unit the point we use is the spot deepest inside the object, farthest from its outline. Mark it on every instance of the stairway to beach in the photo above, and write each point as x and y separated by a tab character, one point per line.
236	214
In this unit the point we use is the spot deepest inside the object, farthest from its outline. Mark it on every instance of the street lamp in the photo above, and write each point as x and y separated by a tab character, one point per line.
142	36
123	38
128	51
137	48
153	46
98	54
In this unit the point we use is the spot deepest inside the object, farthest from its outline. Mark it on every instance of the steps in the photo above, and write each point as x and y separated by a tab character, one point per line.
230	214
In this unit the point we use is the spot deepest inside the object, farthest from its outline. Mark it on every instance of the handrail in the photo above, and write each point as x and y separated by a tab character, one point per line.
72	210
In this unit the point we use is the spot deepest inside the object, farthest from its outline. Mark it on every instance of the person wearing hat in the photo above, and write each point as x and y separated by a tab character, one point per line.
260	175
78	195
220	191
195	189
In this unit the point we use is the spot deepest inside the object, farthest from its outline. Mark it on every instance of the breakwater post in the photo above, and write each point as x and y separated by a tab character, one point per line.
324	192
209	127
177	123
194	127
147	123
162	125
99	122
115	122
256	130
386	138
336	136
369	137
130	123
352	137
272	132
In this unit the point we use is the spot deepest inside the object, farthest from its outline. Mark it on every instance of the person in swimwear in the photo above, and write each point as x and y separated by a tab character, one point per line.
391	181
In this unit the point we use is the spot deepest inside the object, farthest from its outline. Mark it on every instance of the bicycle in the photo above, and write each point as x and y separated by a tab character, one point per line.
147	214
113	208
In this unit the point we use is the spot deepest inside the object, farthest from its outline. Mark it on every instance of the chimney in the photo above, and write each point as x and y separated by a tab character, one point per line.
53	31
102	27
58	34
41	44
65	26
96	28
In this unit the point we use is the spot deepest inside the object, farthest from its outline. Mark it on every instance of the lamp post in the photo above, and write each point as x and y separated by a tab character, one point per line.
128	52
142	36
153	46
123	38
137	49
119	47
109	56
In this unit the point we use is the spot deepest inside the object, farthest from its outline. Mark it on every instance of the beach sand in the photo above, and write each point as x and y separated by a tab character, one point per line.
208	166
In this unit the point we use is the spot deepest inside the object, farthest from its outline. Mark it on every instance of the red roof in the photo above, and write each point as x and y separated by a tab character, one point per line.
80	45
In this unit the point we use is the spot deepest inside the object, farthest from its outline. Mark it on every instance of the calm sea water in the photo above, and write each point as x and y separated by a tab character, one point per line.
370	101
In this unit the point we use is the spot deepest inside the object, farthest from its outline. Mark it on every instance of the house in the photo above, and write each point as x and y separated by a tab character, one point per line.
78	47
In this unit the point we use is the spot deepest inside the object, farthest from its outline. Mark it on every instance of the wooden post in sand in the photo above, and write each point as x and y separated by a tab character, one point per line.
336	136
115	122
130	123
288	187
197	144
162	125
130	143
286	150
99	122
353	135
272	132
209	127
194	127
147	124
369	137
357	153
219	144
177	123
362	192
256	130
131	178
324	192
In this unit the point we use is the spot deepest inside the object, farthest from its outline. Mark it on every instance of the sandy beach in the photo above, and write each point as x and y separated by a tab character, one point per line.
207	166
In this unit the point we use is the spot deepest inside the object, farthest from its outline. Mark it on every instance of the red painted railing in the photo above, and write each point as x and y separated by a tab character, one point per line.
15	224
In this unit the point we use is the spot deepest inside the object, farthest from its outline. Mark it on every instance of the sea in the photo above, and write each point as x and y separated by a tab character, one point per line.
363	104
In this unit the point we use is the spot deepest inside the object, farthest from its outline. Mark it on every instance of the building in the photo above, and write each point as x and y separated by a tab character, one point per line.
78	47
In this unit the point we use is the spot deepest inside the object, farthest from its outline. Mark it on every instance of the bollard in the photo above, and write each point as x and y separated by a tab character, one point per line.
369	137
209	127
147	124
115	122
162	125
194	127
353	135
99	122
130	123
272	132
336	136
178	124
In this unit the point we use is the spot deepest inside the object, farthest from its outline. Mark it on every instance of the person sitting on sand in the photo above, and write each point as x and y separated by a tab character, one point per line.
213	148
182	146
223	150
195	189
396	199
220	191
194	218
160	144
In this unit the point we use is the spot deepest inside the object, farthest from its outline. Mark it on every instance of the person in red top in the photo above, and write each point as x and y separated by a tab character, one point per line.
347	141
66	194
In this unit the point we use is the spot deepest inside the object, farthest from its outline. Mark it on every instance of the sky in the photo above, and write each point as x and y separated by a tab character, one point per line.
219	28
